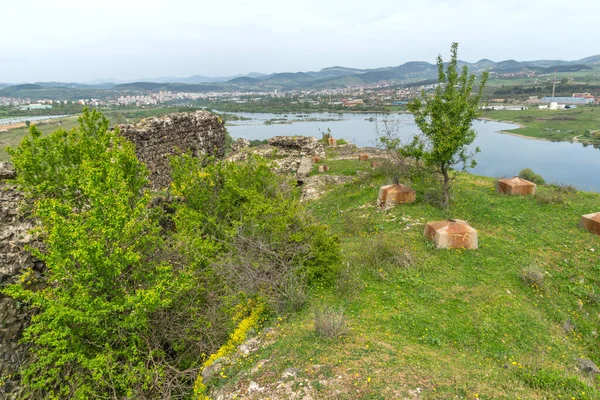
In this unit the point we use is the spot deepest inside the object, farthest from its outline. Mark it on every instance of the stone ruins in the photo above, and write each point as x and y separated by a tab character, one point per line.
157	139
15	227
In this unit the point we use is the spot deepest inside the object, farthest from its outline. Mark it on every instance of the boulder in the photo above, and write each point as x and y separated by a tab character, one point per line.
395	194
516	186
323	168
451	234
363	157
332	142
591	223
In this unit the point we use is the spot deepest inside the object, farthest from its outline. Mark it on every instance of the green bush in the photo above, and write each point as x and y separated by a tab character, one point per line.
531	176
93	330
247	213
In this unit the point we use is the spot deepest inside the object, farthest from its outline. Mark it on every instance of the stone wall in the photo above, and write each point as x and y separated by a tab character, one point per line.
15	227
156	139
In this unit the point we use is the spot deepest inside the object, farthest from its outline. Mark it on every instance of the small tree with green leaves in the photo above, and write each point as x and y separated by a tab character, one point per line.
445	120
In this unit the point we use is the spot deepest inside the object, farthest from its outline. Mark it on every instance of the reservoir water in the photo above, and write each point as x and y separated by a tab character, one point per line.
501	155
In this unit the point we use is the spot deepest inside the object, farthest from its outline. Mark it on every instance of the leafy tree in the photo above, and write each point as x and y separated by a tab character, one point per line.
445	120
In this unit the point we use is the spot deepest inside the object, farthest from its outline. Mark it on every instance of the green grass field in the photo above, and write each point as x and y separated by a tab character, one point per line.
440	324
581	124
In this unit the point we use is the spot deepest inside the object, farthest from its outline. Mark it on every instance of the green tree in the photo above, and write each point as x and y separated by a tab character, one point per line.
445	120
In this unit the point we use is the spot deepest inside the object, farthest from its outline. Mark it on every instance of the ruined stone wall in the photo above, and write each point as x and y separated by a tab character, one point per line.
156	139
15	227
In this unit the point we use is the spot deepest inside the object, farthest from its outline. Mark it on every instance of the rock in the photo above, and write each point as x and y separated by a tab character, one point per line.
591	223
516	186
451	234
303	145
290	372
588	366
249	346
363	157
395	194
240	144
7	170
157	139
304	169
568	326
213	369
323	168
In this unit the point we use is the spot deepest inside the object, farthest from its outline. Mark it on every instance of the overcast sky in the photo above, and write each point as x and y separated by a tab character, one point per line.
77	41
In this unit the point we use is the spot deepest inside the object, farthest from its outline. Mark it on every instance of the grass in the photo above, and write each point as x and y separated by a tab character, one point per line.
429	324
13	137
581	124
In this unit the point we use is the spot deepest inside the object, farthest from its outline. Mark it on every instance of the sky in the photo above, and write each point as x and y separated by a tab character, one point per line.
124	40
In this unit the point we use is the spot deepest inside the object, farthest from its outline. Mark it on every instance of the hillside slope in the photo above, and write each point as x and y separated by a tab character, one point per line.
430	324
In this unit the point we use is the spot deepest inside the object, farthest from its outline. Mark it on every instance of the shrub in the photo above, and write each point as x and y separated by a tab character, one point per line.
330	322
94	333
252	221
531	176
534	277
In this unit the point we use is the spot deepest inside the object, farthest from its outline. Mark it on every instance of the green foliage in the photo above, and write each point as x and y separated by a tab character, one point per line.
241	209
91	333
531	176
445	121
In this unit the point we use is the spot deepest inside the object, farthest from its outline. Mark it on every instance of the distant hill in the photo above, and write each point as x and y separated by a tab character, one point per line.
175	87
73	85
331	77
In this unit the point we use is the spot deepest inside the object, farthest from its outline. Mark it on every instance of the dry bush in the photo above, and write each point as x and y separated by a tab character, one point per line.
384	253
330	322
534	277
254	266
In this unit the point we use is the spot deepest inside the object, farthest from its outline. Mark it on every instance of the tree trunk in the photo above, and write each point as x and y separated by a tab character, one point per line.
446	187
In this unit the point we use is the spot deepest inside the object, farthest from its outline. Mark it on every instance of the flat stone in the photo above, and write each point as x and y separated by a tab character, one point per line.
395	194
451	234
516	186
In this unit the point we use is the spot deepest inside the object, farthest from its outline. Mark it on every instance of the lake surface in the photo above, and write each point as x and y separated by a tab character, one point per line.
501	155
